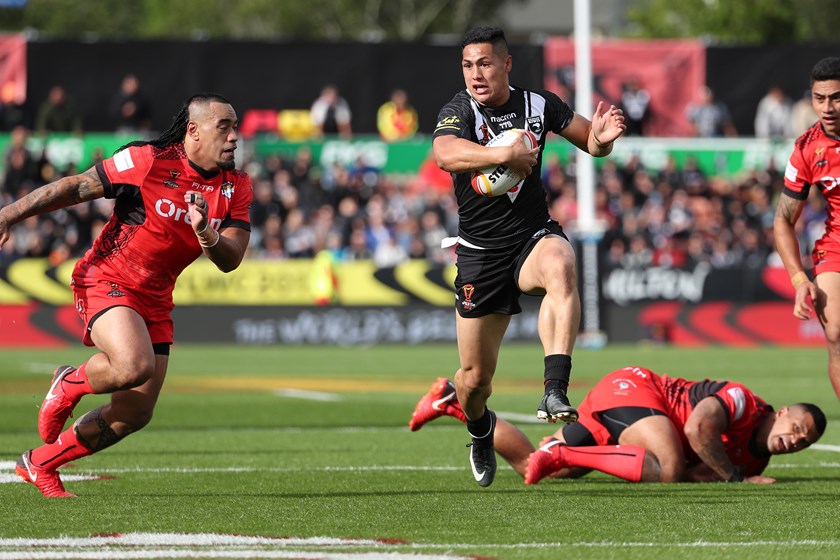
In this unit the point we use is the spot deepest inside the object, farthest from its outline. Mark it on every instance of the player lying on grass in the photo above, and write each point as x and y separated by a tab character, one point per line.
644	427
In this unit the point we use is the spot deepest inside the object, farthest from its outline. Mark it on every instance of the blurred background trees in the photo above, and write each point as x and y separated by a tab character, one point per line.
745	22
717	21
405	20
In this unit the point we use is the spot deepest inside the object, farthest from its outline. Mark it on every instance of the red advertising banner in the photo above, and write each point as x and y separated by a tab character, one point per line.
671	71
12	69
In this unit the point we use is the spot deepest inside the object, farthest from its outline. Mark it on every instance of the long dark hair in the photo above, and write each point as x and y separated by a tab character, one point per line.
178	130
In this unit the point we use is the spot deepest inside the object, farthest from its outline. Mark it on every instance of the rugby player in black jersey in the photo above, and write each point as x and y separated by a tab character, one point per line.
508	245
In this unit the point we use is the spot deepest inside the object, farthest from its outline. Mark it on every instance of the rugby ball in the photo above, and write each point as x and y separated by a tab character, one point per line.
498	179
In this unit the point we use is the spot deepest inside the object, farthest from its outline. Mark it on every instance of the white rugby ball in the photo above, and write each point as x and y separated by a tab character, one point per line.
498	179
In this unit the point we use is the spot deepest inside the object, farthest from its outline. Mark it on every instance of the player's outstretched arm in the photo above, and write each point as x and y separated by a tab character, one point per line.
67	191
596	136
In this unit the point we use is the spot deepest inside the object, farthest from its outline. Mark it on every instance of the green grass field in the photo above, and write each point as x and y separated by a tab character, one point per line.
310	447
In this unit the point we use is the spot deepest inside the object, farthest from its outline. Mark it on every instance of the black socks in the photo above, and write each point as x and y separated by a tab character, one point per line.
558	369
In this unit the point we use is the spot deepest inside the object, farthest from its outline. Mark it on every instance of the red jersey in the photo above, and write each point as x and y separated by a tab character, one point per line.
816	161
745	410
640	387
149	239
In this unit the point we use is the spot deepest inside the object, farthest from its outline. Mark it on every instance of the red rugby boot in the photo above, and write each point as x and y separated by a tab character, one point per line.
45	479
439	401
545	461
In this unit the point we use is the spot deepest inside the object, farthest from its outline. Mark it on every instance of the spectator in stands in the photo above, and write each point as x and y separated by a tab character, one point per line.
298	235
271	244
396	119
802	115
635	101
58	114
129	107
640	255
389	253
773	115
301	168
265	204
433	234
331	114
710	117
357	249
12	112
21	171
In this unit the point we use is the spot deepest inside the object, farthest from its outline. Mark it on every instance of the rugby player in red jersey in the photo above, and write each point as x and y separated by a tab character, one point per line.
175	198
815	161
508	245
644	427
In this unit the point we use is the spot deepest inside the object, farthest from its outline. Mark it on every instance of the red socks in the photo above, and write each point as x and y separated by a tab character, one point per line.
76	384
623	461
65	449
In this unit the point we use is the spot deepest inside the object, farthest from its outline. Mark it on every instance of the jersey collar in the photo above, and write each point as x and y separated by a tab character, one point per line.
203	172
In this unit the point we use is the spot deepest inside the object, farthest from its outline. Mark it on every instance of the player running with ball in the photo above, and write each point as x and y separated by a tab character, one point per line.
508	245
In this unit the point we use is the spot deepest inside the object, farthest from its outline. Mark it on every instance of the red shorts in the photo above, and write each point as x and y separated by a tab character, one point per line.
91	300
630	386
826	256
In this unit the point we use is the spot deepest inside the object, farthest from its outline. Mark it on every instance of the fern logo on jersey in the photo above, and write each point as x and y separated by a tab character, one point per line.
535	125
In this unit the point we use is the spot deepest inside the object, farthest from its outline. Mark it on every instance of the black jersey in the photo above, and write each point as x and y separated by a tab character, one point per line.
510	218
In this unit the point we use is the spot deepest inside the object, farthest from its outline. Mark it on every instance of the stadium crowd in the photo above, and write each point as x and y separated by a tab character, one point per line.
677	216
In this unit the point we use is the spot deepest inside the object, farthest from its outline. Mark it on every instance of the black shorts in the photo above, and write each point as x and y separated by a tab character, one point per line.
488	279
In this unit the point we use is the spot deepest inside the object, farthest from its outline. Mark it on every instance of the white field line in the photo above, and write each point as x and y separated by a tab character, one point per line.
201	554
177	545
40	368
6	478
308	395
519	418
84	475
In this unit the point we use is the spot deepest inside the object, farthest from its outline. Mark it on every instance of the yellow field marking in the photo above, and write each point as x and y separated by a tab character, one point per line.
336	385
267	384
325	383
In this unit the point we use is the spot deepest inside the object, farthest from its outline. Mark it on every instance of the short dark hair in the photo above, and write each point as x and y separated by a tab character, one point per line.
826	69
492	35
815	411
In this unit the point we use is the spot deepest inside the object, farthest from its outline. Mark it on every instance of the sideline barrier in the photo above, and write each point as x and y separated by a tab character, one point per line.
723	156
270	302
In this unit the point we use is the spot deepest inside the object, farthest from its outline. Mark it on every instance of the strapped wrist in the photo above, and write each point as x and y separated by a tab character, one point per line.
203	242
798	278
